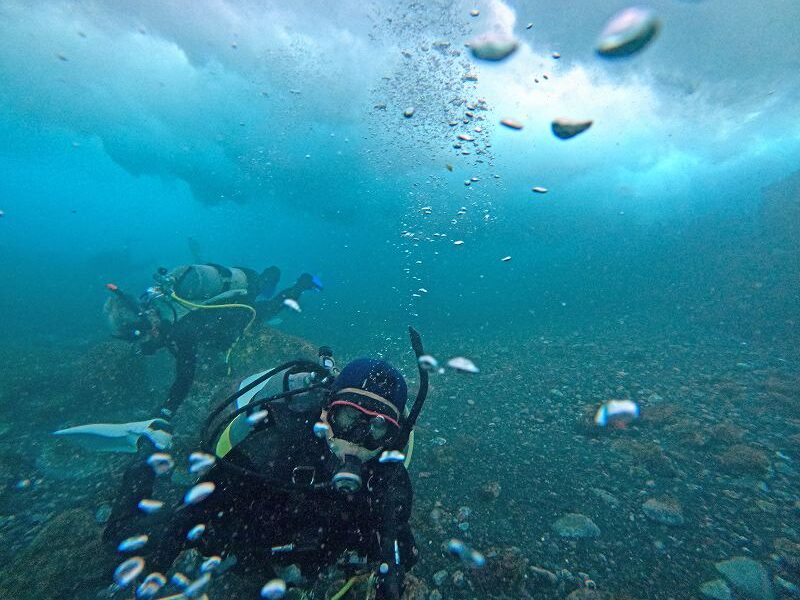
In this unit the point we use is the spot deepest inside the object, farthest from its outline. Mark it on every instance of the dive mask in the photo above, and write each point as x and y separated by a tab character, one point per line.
355	424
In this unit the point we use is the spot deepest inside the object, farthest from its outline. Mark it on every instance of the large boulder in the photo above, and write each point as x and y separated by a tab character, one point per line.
748	577
65	560
576	526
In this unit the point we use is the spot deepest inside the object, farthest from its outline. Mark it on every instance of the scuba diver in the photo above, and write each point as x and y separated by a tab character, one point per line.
195	304
306	468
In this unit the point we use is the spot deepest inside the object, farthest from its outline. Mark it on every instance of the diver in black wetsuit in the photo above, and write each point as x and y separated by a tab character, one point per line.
320	481
196	304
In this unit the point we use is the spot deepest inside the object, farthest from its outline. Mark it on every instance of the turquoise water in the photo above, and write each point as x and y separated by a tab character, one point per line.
661	265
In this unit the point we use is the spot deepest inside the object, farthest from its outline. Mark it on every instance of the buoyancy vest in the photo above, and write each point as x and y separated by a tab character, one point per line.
239	428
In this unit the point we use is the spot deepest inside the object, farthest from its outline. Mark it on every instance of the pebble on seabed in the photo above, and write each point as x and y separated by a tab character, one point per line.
273	589
148	506
199	492
132	543
628	32
128	571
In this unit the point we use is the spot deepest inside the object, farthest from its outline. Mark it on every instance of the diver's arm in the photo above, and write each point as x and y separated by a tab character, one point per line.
168	541
269	308
397	551
167	538
137	483
185	351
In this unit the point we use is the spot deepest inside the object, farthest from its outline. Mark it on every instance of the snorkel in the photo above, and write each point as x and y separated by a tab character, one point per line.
422	393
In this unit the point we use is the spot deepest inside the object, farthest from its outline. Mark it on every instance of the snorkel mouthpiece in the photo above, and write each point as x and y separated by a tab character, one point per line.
347	478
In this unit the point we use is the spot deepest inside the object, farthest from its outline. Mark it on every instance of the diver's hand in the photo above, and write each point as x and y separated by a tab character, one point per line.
159	434
307	281
390	586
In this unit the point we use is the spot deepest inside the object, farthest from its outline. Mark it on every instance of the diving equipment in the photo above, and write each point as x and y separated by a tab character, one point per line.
407	427
322	379
347	478
377	417
119	437
326	358
360	426
125	315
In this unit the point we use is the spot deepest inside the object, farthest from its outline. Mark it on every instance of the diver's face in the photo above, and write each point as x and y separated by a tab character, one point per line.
340	446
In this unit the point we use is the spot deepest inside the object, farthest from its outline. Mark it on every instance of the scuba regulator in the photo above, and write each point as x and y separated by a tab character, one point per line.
347	478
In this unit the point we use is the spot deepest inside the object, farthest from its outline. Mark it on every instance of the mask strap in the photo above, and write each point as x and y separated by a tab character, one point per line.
364	410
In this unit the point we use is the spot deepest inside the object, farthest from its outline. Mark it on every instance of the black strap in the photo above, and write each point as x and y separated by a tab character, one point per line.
208	440
177	285
225	273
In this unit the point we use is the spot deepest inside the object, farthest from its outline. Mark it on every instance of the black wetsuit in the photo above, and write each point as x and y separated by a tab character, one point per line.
218	328
248	516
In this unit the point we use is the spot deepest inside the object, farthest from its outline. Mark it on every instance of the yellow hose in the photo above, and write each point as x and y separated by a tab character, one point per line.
371	587
193	306
346	587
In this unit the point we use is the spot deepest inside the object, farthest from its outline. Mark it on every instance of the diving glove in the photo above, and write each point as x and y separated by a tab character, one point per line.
307	281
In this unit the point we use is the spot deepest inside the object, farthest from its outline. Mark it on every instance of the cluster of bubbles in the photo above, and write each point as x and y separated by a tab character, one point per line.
130	570
469	556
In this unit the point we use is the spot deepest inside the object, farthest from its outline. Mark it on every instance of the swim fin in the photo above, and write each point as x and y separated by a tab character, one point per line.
119	437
